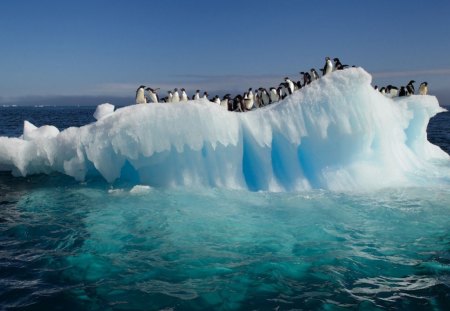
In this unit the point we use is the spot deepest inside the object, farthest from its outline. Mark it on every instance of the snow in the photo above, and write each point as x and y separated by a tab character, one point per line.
103	110
338	133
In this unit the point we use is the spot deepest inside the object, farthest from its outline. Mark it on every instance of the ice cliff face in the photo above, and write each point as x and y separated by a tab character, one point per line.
337	133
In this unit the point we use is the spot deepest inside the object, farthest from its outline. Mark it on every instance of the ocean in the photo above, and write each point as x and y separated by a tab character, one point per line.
68	245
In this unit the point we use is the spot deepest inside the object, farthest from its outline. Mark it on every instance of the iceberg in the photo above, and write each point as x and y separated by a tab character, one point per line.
337	133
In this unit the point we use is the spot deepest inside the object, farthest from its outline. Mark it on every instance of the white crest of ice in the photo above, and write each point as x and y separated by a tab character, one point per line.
337	133
103	110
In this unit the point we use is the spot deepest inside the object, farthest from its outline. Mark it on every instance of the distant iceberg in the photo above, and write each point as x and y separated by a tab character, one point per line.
337	133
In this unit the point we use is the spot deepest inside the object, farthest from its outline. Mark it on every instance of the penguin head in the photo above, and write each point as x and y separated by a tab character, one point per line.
198	91
175	90
182	90
336	60
141	87
411	82
327	58
425	83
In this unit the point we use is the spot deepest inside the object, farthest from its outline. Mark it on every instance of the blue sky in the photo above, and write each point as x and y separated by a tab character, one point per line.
102	50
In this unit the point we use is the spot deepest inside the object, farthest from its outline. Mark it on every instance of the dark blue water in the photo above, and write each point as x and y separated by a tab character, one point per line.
66	245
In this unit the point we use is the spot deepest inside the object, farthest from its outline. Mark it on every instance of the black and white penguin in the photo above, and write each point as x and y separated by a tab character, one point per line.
274	96
175	96
314	75
290	85
169	96
392	90
403	92
196	95
205	95
152	94
265	97
383	90
410	87
236	104
328	67
306	78
248	102
338	65
140	95
225	101
423	88
184	97
216	100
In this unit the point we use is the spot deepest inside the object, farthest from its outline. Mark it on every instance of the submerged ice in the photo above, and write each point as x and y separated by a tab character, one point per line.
337	133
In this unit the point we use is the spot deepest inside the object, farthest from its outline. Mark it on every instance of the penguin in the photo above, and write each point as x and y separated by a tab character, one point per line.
298	85
383	90
140	95
196	95
375	87
169	96
392	90
153	95
176	96
184	97
403	92
306	78
165	99
314	75
205	95
410	87
328	68
423	88
225	101
248	102
216	100
290	85
257	98
237	104
274	97
338	65
265	97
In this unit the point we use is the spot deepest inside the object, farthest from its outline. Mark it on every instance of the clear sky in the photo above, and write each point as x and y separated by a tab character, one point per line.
81	49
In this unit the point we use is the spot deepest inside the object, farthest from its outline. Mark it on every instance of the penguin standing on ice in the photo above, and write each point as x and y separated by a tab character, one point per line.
328	68
176	96
306	78
169	96
423	88
205	95
274	97
152	94
225	101
248	102
264	97
403	92
140	95
184	97
216	100
314	75
410	87
196	95
290	85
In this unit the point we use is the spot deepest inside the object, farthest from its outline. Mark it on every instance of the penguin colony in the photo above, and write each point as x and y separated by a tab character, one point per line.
262	97
407	90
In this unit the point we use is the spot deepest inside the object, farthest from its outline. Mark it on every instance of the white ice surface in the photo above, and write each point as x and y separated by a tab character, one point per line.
337	133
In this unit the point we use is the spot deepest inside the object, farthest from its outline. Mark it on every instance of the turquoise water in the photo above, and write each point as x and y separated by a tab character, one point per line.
72	246
66	245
